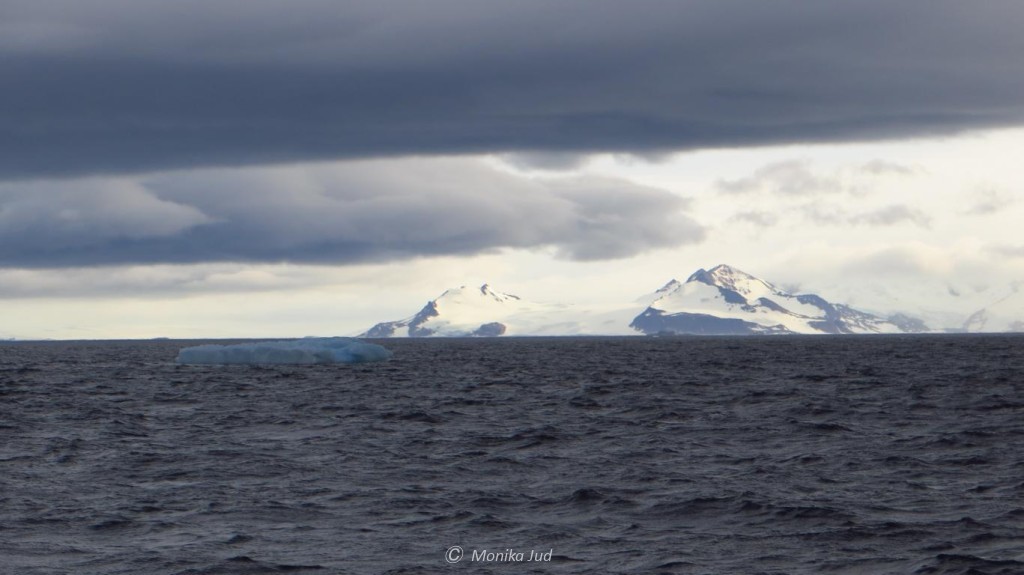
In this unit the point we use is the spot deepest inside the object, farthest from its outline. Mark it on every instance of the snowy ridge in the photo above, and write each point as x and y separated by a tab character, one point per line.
727	301
485	312
457	312
720	301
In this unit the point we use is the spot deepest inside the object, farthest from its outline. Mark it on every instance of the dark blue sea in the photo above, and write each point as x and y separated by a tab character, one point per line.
783	455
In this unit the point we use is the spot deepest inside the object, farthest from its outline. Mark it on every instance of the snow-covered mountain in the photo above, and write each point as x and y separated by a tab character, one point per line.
722	300
963	302
484	312
1005	314
456	312
727	301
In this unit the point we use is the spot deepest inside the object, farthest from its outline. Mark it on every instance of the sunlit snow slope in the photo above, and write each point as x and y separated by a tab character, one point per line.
483	311
727	301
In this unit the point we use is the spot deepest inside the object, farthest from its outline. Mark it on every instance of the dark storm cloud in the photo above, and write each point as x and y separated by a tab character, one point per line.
339	213
135	85
549	161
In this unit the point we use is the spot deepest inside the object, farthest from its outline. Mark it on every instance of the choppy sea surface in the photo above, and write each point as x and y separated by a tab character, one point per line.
785	455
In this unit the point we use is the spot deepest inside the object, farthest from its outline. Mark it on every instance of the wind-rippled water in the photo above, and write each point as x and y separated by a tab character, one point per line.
809	455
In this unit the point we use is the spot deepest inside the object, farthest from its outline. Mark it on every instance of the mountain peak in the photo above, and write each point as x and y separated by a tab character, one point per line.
465	293
672	285
728	277
725	300
462	311
724	271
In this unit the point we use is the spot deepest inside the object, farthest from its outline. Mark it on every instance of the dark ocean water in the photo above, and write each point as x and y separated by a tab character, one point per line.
809	455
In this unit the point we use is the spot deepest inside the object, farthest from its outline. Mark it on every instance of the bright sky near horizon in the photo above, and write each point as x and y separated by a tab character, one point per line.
270	168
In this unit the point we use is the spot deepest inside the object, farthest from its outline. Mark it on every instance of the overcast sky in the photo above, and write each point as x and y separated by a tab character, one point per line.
264	167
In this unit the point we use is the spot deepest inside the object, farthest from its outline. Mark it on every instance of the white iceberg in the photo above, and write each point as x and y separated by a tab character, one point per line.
309	350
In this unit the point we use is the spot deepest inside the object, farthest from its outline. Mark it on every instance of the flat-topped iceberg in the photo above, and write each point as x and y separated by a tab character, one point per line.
309	350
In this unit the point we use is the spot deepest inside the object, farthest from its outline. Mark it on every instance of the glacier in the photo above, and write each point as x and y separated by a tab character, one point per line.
310	350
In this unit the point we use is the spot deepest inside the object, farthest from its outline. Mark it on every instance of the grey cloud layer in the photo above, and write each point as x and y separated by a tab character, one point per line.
799	178
987	201
788	178
332	213
801	188
133	85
